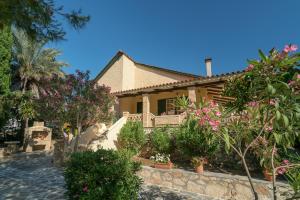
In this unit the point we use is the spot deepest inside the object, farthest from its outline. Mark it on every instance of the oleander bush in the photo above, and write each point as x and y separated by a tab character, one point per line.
132	137
161	140
192	141
105	174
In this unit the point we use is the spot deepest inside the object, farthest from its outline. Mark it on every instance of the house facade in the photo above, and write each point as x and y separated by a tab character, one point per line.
148	93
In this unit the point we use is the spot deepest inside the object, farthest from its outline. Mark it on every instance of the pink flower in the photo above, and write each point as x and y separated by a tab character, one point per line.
218	113
249	68
272	102
286	162
286	48
293	47
214	123
269	128
205	110
253	104
215	128
281	170
85	189
202	121
298	76
197	112
213	104
290	82
290	48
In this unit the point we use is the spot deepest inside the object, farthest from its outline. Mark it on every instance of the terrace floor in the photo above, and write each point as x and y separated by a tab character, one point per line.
34	177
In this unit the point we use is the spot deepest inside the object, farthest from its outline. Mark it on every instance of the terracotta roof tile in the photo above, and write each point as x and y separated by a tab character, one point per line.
177	83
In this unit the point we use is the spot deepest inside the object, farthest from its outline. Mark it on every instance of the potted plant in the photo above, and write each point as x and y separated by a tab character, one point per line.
263	152
198	163
162	161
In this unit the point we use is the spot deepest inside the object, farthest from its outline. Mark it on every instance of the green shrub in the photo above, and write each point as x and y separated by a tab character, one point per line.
161	140
105	174
132	137
191	141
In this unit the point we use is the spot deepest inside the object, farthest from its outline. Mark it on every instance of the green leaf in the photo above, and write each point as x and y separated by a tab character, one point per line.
227	140
278	115
277	137
285	120
262	55
271	89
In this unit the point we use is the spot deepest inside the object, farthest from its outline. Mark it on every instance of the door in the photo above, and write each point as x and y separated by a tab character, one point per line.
161	106
139	107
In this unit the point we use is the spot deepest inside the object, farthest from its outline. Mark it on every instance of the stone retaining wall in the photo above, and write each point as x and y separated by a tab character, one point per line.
217	185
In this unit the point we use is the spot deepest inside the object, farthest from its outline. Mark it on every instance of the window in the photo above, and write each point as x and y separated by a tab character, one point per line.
167	107
139	107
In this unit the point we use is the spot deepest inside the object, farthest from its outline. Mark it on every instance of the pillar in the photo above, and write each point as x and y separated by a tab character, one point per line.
192	94
146	111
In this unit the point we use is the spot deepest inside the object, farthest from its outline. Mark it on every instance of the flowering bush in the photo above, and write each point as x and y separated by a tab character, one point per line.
105	174
194	140
161	158
267	98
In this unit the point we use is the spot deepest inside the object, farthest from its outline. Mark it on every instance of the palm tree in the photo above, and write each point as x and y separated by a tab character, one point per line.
34	63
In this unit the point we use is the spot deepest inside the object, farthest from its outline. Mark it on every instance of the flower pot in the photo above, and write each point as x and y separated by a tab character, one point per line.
168	165
199	169
268	175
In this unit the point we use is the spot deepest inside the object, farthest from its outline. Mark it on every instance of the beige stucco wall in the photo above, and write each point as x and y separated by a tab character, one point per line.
113	76
145	76
129	76
128	104
124	74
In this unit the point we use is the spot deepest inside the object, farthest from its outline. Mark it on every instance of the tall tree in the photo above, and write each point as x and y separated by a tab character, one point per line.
34	63
5	75
5	59
76	101
39	18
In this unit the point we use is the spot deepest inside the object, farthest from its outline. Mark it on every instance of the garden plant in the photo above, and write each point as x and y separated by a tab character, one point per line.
105	174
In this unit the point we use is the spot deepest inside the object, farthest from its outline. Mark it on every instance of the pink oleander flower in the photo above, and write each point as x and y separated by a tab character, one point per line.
85	189
298	76
205	110
290	48
218	113
197	112
281	170
214	128
286	162
213	104
202	121
272	102
290	82
214	123
249	68
269	128
293	47
253	104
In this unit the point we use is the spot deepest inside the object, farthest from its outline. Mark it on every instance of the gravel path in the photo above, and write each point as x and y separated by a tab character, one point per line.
35	177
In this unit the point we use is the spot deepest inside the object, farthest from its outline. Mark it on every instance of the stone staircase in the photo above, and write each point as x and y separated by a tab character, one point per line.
109	137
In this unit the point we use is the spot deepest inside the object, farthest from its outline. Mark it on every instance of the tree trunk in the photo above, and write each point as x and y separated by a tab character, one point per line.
77	138
273	173
249	178
25	138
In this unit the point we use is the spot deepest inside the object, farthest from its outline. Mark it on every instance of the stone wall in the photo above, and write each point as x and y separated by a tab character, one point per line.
216	185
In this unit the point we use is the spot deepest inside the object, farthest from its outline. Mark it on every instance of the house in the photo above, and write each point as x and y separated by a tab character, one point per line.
148	93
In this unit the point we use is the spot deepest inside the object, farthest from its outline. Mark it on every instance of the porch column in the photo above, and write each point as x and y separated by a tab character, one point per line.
192	94
146	110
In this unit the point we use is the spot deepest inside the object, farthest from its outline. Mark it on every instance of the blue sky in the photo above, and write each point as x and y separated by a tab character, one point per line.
179	34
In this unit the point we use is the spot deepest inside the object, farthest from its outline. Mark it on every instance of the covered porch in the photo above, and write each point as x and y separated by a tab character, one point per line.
156	106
